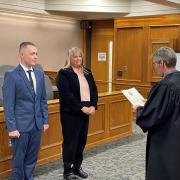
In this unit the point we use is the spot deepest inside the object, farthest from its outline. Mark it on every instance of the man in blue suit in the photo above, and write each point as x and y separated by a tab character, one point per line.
26	111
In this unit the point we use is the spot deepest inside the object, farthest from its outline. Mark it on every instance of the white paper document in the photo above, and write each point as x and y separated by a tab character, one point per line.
134	96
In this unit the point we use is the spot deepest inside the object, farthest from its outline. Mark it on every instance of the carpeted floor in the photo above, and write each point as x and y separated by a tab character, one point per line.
119	160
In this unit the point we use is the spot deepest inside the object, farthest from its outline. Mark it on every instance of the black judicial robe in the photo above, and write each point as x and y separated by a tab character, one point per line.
160	117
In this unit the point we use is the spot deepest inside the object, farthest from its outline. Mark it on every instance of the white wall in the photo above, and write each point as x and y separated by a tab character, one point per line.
53	37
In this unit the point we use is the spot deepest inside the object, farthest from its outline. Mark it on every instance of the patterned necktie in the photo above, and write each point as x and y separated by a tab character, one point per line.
30	80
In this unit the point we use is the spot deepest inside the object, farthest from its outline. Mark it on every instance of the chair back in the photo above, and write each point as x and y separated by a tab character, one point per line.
49	88
1	84
4	68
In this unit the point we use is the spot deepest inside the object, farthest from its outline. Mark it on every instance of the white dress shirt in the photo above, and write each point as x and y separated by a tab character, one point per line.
32	74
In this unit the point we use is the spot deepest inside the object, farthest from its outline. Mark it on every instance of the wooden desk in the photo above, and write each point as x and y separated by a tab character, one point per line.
111	121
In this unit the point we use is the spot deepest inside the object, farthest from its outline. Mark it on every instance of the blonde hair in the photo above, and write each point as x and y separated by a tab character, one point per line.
71	51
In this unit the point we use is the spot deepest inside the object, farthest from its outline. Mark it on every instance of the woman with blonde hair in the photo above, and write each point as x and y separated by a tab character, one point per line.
78	100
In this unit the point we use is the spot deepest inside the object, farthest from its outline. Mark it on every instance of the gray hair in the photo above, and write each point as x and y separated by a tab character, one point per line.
71	51
167	55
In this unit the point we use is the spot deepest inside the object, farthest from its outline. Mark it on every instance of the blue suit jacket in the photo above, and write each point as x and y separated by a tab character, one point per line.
23	109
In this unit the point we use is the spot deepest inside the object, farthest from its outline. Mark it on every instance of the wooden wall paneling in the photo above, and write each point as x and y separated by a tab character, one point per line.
100	40
102	86
102	34
120	109
97	123
148	20
143	89
115	49
163	29
51	139
129	46
178	40
99	127
145	55
5	149
155	44
160	35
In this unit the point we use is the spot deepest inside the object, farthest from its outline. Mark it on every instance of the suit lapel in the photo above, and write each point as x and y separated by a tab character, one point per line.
26	81
37	81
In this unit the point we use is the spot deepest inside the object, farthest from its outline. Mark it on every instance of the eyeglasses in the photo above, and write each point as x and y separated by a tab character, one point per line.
155	63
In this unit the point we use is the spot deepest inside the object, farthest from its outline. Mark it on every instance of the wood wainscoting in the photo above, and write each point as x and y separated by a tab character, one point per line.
111	121
135	40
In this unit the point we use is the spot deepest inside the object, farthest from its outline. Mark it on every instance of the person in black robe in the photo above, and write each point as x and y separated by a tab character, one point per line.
160	117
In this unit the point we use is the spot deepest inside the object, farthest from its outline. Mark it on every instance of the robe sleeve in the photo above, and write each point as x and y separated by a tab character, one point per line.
157	108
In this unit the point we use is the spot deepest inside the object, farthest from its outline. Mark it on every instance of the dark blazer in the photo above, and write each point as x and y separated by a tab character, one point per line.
69	89
22	108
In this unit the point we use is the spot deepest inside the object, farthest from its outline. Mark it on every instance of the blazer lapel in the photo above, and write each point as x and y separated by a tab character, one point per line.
75	78
37	81
26	81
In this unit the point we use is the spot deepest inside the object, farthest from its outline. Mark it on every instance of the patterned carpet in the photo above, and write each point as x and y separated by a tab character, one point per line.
119	160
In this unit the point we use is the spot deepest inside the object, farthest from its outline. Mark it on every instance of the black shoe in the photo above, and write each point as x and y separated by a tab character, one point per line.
70	176
79	172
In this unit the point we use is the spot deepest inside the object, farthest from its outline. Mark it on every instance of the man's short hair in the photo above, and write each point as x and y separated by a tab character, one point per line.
167	55
25	44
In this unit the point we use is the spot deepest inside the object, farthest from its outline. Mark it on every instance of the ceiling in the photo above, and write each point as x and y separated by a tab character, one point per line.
170	3
93	9
108	9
